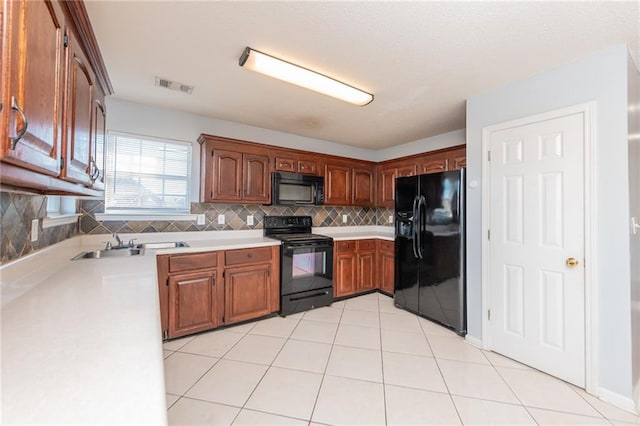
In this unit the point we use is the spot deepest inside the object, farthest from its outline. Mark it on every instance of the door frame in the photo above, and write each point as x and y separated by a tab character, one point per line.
591	318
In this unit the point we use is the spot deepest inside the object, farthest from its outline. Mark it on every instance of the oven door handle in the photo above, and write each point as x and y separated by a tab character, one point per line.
309	246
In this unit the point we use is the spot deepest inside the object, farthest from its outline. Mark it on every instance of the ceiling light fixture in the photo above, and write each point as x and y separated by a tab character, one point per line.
294	74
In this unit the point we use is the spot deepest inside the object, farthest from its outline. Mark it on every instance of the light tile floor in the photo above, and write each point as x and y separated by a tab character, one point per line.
362	361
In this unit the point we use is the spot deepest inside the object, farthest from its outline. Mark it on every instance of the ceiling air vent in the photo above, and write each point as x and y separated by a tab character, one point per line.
173	85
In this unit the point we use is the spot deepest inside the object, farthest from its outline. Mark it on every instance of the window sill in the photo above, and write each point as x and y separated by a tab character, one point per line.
63	219
105	217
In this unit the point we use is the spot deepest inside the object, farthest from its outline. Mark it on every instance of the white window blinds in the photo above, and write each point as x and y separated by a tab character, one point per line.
145	175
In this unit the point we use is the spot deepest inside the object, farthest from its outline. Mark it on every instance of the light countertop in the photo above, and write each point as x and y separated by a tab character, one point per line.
81	341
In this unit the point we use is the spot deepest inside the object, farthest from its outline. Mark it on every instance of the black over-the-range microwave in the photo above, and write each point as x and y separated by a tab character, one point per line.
295	188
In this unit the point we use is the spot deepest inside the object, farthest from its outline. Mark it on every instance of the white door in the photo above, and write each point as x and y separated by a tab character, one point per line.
536	290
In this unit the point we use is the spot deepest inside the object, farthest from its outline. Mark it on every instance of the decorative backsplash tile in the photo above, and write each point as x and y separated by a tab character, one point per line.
17	210
235	217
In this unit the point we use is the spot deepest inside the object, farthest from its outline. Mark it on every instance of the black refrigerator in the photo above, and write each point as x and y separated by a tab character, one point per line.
430	247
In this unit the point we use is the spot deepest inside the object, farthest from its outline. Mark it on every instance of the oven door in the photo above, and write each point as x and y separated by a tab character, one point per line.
306	266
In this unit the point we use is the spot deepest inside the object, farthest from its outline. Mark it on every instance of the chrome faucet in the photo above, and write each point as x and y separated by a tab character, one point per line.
115	235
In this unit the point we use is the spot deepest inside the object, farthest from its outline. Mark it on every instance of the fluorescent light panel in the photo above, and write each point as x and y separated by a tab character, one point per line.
294	74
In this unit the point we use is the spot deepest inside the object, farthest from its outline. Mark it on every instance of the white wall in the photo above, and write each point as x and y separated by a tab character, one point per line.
601	78
634	201
445	140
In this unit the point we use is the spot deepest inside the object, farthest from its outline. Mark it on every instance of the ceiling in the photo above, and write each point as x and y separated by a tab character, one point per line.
421	60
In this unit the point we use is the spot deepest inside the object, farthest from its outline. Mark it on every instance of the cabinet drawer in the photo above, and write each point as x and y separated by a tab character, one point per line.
308	166
388	246
237	257
366	244
285	164
344	246
185	262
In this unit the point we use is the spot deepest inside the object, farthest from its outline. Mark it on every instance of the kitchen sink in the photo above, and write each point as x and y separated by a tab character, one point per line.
153	246
99	254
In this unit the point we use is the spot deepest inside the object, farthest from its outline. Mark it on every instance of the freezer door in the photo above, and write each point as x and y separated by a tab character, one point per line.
406	257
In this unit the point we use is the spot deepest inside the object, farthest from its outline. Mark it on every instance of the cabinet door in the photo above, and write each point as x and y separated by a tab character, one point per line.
434	164
344	274
32	81
285	164
256	178
226	176
99	136
362	193
247	292
192	303
457	159
308	166
337	185
78	136
408	170
387	186
366	271
386	265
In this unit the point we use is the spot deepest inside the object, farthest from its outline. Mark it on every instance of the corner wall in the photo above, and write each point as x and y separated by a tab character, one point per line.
601	78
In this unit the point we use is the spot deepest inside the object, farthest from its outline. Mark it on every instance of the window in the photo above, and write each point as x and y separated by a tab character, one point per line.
147	175
60	211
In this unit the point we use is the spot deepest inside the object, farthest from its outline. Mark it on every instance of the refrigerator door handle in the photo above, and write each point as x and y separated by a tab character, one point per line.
414	228
422	206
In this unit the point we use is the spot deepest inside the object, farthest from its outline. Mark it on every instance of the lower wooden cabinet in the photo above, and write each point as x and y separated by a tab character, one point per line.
344	275
366	259
354	267
247	293
192	303
201	291
386	265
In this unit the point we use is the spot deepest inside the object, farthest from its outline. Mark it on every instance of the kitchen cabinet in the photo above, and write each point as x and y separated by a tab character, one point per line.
233	175
354	267
50	68
430	162
98	139
366	261
349	185
289	162
344	274
386	265
201	291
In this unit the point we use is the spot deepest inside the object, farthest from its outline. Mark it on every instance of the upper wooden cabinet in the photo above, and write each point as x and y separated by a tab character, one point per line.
349	183
51	67
231	173
289	162
430	162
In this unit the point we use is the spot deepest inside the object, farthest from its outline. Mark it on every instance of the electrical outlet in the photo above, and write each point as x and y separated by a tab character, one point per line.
344	218
390	219
250	220
34	230
200	219
220	219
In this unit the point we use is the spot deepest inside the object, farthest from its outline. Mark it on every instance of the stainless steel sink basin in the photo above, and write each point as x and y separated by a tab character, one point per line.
153	246
99	254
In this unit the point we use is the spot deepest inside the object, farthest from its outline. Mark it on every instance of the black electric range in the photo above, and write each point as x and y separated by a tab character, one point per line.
306	263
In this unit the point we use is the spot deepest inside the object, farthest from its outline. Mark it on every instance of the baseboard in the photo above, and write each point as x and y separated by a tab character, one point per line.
473	341
618	400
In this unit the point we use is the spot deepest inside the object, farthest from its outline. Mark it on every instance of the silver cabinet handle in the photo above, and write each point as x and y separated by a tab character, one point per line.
14	140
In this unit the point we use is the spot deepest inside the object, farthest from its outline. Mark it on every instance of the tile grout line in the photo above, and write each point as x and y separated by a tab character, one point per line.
324	373
384	382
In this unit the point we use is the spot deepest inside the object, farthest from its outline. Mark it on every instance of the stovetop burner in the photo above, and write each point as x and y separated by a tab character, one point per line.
291	228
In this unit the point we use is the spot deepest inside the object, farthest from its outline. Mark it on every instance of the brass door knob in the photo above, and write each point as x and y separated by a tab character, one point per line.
571	262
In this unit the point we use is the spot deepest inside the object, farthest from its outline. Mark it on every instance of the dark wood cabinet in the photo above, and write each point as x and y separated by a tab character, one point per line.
192	303
366	260
344	273
430	162
386	265
292	163
346	184
32	85
201	291
50	68
231	174
80	106
337	184
247	292
256	178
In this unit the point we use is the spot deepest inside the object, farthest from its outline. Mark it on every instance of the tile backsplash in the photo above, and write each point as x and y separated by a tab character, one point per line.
235	217
17	210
